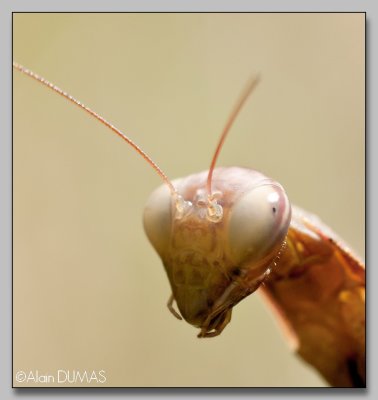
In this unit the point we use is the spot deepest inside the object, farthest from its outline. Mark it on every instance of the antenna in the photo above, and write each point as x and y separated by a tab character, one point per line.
67	96
242	99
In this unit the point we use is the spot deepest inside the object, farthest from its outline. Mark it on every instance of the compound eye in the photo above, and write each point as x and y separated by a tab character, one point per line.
259	222
157	218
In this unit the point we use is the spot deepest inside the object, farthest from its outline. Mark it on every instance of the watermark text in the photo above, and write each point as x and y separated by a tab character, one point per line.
62	376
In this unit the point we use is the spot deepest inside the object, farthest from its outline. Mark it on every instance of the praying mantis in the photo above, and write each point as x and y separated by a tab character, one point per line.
224	233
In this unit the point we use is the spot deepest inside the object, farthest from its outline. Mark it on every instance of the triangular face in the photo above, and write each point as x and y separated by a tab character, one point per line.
211	265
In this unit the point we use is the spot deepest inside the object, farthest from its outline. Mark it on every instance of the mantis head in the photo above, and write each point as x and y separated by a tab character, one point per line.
218	250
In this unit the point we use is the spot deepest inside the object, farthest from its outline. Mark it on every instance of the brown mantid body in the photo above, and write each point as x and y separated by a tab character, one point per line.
224	233
313	282
318	292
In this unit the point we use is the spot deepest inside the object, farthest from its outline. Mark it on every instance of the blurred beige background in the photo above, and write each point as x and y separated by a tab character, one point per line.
89	290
